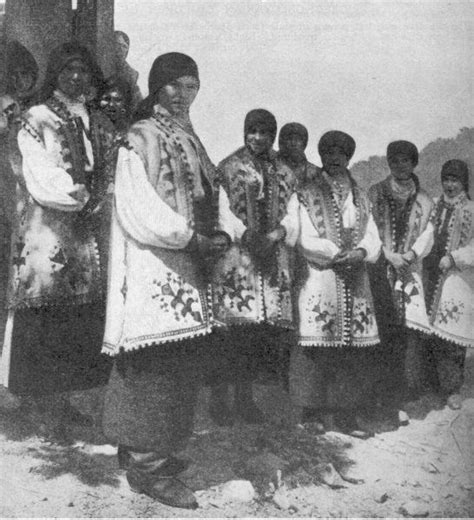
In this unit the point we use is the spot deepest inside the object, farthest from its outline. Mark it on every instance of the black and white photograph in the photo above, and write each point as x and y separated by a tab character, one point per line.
236	259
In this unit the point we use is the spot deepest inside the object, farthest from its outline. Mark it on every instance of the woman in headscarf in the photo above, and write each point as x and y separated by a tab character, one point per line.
449	275
292	142
330	222
22	76
401	211
56	299
170	222
252	282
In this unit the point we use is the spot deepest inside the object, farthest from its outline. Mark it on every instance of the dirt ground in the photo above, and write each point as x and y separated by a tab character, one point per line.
423	469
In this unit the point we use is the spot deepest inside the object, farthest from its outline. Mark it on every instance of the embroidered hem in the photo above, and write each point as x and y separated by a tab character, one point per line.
458	340
156	340
308	341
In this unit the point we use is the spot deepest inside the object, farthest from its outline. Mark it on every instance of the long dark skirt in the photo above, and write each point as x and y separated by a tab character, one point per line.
447	361
58	350
240	353
151	396
333	378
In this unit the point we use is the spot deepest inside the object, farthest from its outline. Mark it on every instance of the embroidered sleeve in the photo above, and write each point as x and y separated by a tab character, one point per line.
464	256
424	242
141	212
371	242
47	183
291	221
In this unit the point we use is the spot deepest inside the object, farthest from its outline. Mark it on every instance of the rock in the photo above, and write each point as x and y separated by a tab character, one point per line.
403	419
281	500
414	509
238	490
381	499
71	504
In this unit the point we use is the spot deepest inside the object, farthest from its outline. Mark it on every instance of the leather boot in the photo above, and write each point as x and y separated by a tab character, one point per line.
166	490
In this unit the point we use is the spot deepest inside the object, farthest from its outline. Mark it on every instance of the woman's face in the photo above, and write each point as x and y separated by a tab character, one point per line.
335	160
179	95
452	186
401	166
112	103
23	82
293	146
259	140
75	79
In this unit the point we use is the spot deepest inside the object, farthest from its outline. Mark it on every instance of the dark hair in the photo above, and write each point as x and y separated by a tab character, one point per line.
60	57
123	35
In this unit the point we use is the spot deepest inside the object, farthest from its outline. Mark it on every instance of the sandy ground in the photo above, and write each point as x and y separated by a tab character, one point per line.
423	469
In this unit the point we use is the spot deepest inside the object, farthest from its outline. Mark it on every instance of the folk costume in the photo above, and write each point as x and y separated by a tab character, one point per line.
159	310
56	299
402	213
300	167
331	366
449	295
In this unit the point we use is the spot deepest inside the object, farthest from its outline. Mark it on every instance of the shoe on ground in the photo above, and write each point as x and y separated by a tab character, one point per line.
350	425
454	402
166	490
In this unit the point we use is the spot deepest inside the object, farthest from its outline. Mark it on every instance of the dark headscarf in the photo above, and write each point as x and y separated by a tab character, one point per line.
18	57
458	169
337	138
261	117
165	69
169	67
60	57
290	129
404	147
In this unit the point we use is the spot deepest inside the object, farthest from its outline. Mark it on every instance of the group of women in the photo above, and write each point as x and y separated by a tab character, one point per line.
202	272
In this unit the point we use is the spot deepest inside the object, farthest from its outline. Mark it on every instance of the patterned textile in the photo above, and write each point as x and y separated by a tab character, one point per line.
245	293
335	306
403	226
304	173
164	191
452	294
54	258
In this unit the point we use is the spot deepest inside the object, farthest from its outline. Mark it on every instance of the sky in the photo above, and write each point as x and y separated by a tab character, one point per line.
379	70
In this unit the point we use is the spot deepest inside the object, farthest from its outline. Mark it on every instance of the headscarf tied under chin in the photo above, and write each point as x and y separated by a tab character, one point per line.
337	138
165	69
457	169
263	118
403	147
59	59
293	128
